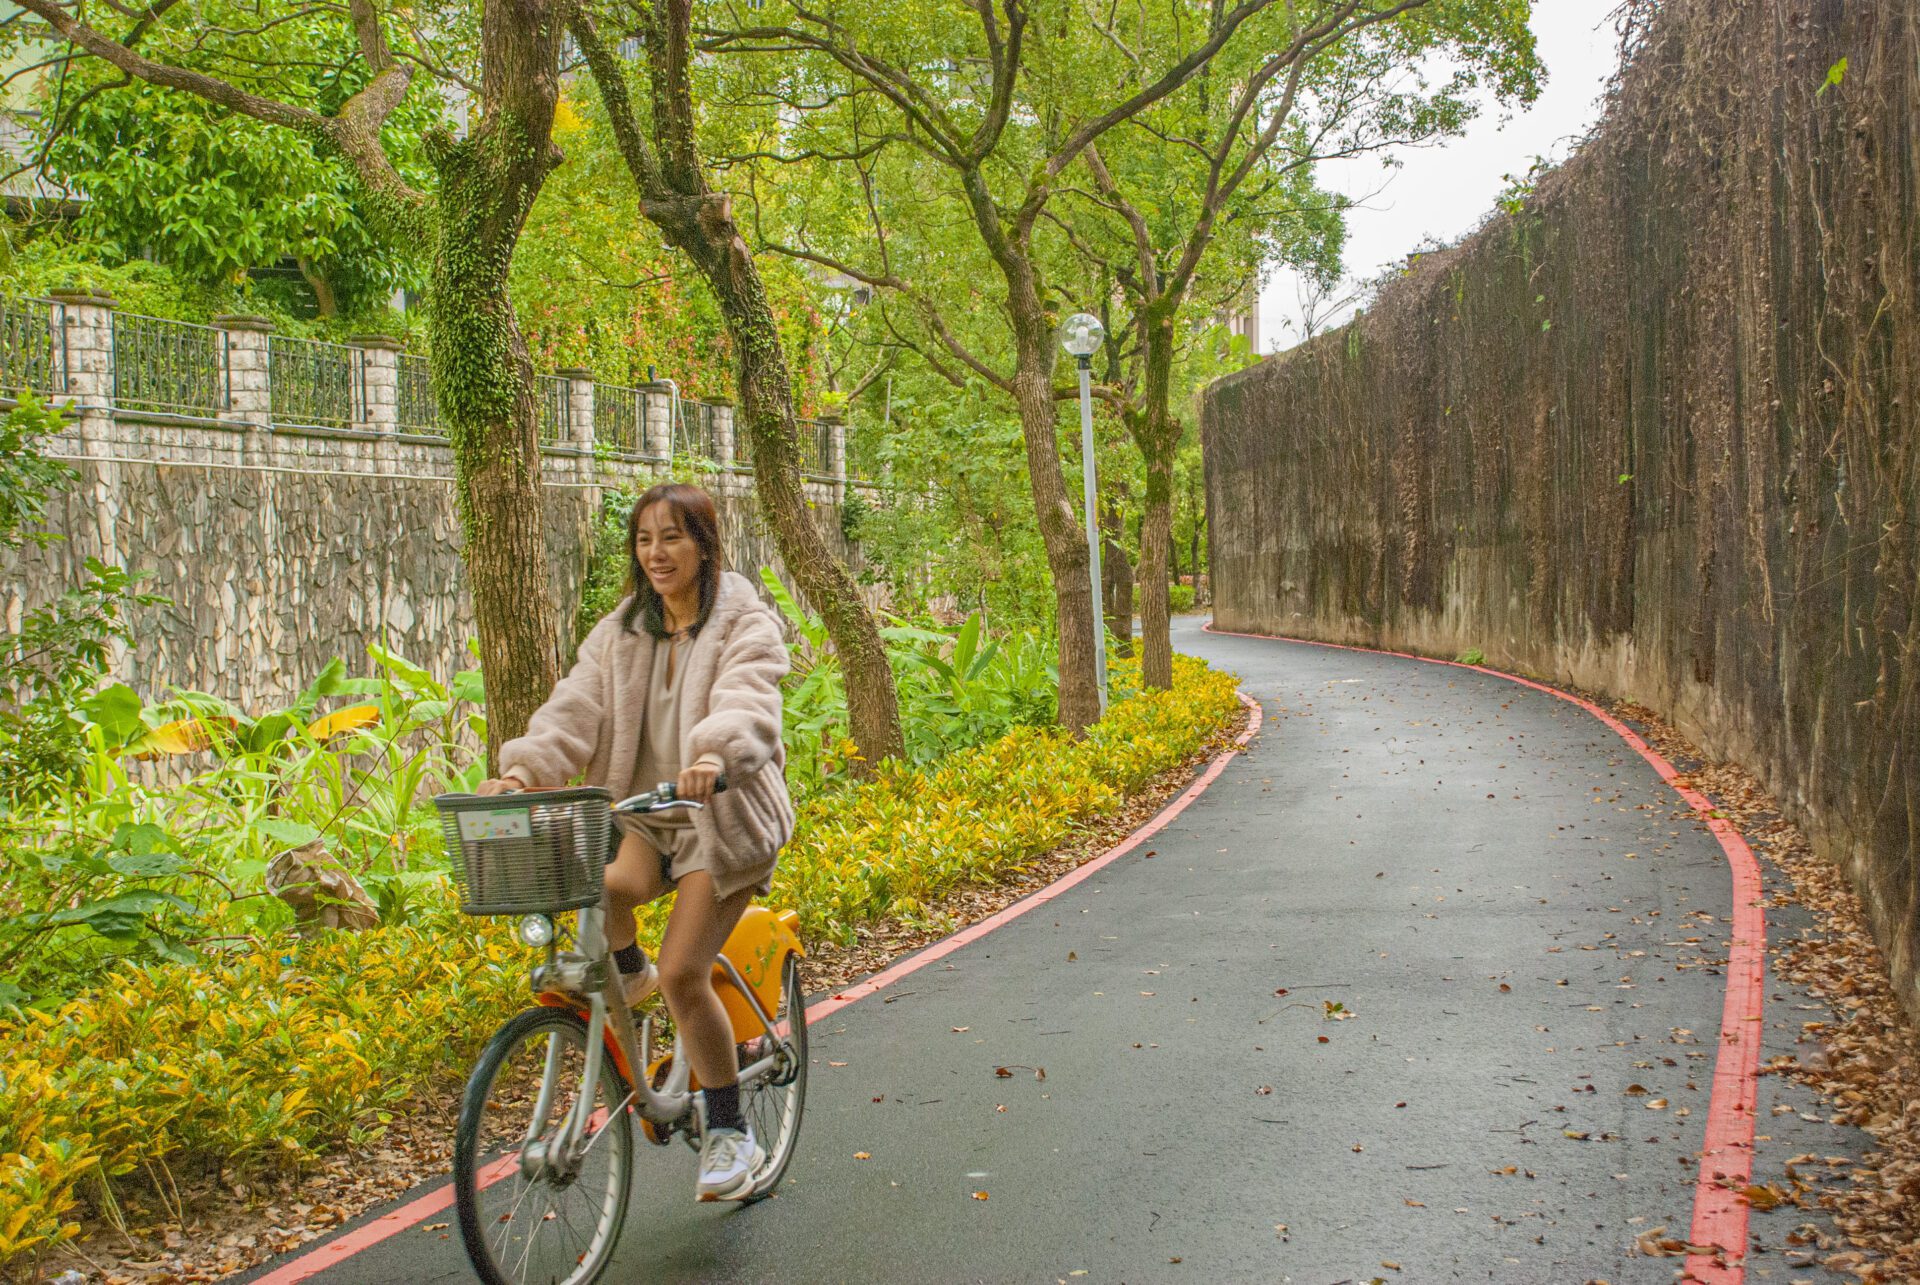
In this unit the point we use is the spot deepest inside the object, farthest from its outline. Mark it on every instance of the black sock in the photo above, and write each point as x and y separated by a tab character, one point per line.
723	1108
631	959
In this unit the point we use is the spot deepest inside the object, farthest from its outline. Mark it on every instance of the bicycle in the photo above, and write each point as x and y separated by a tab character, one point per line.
544	1150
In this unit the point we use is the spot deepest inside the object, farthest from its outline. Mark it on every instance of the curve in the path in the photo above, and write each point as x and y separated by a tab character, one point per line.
1720	1208
1525	923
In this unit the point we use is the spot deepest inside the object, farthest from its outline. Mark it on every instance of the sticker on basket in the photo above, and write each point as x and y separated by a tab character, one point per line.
506	824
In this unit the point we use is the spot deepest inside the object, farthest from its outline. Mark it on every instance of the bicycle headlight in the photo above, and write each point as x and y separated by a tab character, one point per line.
536	930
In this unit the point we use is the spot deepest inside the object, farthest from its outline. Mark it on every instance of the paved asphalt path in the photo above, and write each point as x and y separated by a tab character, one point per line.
1520	924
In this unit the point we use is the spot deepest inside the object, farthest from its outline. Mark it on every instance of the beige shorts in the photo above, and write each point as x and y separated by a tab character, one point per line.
682	850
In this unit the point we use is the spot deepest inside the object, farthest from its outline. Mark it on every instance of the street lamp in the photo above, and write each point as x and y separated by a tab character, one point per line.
1080	335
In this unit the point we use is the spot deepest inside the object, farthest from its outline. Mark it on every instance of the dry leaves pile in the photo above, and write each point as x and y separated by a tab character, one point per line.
1865	1064
230	1229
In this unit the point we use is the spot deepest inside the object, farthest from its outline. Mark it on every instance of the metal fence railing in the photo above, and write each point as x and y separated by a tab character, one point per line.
816	447
416	408
173	367
167	367
314	384
33	350
698	432
620	418
555	394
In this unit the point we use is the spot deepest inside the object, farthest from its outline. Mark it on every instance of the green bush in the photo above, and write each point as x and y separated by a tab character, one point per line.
1180	598
269	1055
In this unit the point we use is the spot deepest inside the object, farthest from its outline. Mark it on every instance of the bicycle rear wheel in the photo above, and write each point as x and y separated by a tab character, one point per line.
773	1107
524	1221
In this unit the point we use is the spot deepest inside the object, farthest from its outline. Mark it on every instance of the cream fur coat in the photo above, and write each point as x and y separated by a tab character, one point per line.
729	708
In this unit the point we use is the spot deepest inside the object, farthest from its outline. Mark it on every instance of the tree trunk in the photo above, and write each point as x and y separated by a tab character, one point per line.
703	227
1157	434
1193	538
674	197
483	376
1116	575
323	297
1156	531
1060	533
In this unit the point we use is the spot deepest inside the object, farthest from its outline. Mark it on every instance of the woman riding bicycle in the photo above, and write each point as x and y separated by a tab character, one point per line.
679	683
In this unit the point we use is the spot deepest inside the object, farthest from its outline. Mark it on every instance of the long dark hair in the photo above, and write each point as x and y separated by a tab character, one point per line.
693	510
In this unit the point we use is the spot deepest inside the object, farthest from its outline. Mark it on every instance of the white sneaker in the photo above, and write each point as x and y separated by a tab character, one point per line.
729	1158
637	987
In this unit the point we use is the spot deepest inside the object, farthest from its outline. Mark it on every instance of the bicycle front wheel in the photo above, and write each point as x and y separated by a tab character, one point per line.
529	1213
773	1107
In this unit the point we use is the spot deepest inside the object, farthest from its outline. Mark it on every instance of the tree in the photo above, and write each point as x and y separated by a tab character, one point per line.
1210	182
995	102
177	179
664	160
504	59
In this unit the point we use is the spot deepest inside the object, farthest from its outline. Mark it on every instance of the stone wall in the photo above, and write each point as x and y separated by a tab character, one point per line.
279	546
1656	434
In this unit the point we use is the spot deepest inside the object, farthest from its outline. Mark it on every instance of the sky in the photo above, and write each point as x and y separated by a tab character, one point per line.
1444	191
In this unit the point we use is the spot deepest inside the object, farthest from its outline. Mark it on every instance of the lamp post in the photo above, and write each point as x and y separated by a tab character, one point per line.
1080	335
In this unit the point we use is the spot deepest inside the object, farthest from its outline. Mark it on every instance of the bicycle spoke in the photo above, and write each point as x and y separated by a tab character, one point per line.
562	1231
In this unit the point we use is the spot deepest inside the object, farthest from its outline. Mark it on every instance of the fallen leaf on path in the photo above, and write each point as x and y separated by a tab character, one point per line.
1654	1243
979	1195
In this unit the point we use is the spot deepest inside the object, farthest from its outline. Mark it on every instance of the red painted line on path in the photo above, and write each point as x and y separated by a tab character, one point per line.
334	1252
1720	1210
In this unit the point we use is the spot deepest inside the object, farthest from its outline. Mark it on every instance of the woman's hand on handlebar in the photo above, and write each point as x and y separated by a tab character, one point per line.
696	783
501	785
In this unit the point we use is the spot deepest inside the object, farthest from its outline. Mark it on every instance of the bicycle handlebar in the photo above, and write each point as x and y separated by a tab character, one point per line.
662	797
659	799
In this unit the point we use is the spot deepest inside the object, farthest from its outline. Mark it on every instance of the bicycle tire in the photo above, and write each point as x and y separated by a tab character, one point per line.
781	1105
486	1177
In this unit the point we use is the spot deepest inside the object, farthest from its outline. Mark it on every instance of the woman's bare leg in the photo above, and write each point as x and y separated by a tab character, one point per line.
633	880
696	930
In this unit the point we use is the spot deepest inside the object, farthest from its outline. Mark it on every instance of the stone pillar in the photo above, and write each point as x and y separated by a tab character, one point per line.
723	434
379	382
660	426
380	393
249	379
580	427
579	408
86	333
837	456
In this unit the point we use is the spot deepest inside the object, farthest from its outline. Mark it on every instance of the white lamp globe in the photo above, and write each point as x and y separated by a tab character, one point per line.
1081	334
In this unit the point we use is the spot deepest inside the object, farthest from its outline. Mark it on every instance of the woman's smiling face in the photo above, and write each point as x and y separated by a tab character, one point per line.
669	556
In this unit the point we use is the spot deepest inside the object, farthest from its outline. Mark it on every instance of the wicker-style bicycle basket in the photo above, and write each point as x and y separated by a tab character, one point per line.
535	852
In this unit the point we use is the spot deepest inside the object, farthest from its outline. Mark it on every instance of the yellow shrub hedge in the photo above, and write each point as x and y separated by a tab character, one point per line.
272	1056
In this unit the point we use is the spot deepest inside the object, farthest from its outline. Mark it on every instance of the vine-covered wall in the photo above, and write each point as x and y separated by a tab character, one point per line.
1656	432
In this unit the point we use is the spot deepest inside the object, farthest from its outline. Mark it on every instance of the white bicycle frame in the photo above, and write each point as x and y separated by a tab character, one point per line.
589	969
